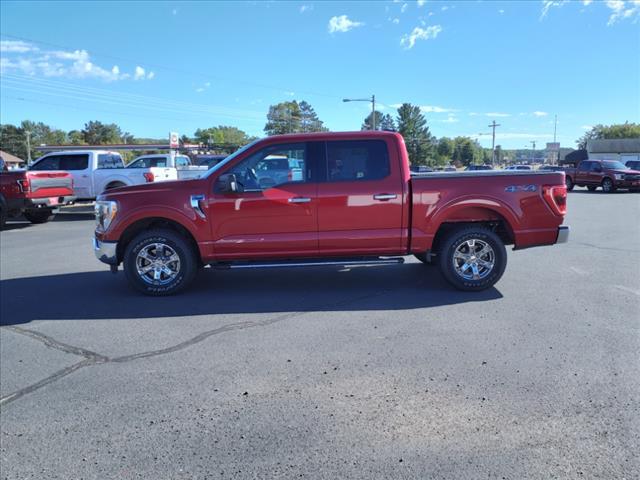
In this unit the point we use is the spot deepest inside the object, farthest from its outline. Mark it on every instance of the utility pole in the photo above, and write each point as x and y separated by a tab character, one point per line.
555	126
373	112
28	133
533	153
493	141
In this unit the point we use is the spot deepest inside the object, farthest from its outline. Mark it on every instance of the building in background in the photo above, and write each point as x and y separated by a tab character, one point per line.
11	161
622	149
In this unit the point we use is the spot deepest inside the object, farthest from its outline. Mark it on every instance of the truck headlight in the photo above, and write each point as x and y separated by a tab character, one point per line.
106	211
619	176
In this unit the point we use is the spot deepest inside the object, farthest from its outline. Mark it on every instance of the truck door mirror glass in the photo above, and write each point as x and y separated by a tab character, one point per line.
228	183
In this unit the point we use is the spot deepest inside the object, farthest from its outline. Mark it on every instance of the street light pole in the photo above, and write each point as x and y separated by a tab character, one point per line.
373	107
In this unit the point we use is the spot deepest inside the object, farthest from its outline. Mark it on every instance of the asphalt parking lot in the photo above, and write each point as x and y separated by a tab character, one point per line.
369	372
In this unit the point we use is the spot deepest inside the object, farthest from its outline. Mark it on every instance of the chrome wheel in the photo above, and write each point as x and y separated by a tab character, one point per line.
607	185
157	264
473	259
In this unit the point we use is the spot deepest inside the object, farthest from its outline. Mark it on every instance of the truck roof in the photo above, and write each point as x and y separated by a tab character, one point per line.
335	135
68	152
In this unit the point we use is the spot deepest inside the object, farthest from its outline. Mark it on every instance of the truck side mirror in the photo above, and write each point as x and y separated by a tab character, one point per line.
228	183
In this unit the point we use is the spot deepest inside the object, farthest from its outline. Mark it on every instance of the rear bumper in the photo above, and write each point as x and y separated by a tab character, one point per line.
563	234
49	202
105	251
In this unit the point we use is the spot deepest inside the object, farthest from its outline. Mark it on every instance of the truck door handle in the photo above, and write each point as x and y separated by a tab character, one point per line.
299	200
385	196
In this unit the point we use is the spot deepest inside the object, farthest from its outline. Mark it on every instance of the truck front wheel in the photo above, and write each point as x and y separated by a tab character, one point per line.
608	186
160	262
39	216
472	258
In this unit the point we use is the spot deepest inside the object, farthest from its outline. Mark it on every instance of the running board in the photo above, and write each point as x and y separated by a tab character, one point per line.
345	262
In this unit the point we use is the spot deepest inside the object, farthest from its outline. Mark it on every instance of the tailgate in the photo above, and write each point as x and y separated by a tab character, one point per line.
49	184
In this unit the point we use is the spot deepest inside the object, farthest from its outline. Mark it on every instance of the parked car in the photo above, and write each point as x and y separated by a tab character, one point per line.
35	195
420	169
608	174
209	160
478	167
354	201
519	167
93	171
164	167
450	168
633	164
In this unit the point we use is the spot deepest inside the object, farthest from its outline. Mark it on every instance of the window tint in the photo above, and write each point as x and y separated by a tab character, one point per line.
182	161
47	163
584	166
595	166
357	160
74	162
110	160
149	162
272	166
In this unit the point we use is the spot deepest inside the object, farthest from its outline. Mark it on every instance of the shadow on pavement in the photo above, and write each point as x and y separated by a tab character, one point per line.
102	295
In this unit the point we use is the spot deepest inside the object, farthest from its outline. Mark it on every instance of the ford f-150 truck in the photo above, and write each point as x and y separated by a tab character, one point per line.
353	201
163	167
36	195
608	174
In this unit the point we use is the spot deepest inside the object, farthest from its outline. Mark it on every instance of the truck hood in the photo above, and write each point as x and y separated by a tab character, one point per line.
157	188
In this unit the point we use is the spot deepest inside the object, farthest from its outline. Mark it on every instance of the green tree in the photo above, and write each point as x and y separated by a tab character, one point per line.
309	121
387	123
499	153
464	151
367	125
76	137
445	150
222	134
98	133
13	140
413	126
605	132
283	118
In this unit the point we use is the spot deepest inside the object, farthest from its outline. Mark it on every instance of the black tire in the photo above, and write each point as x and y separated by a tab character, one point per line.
3	217
608	186
569	183
185	270
457	239
39	216
592	188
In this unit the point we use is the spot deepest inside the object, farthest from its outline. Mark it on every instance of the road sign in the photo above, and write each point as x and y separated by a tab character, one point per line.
174	140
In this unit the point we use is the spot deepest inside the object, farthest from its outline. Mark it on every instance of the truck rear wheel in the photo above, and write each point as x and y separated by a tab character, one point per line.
39	216
591	188
160	262
472	258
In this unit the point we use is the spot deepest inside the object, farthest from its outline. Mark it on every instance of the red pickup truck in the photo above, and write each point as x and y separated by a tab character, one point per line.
349	198
608	174
36	195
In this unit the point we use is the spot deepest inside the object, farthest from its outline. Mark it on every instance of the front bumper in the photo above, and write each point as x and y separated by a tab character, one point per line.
563	234
105	251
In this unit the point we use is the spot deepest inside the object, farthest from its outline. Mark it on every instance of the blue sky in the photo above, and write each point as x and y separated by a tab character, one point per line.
155	67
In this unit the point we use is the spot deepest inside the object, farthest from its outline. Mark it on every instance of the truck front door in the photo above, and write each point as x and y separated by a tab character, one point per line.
271	217
360	199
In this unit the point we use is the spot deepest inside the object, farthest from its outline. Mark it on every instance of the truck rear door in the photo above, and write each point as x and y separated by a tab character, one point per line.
360	198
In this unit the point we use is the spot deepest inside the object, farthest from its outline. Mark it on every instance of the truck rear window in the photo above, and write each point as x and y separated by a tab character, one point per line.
110	160
357	160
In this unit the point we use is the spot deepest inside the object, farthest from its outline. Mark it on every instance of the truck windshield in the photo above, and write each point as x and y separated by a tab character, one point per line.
614	165
217	167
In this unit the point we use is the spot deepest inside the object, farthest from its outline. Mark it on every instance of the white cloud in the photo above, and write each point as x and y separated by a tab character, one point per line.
548	4
538	113
306	8
586	2
497	114
445	8
28	59
621	10
200	89
501	11
586	127
404	7
342	24
174	11
451	118
207	84
16	46
395	21
151	75
421	3
430	14
409	40
139	73
435	109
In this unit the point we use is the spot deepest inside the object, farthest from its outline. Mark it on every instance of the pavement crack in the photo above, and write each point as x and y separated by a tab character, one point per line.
53	343
600	247
93	358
